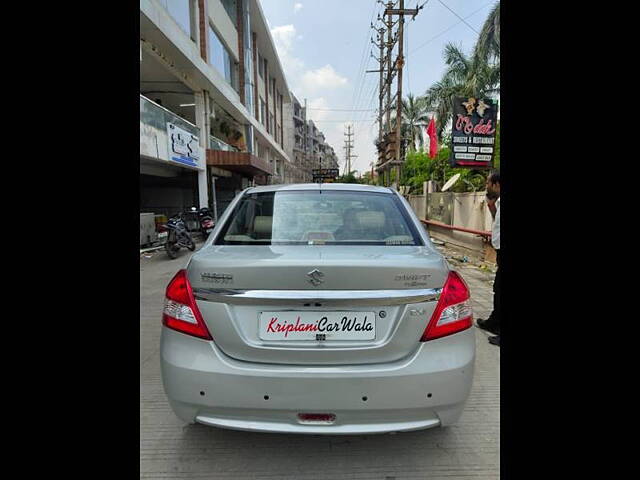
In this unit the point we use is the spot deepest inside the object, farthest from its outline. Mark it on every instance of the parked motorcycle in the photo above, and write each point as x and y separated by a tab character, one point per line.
179	237
206	221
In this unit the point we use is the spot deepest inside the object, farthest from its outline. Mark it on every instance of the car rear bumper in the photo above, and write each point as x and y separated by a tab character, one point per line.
425	390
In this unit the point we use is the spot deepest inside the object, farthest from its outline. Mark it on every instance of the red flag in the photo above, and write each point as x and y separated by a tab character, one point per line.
433	140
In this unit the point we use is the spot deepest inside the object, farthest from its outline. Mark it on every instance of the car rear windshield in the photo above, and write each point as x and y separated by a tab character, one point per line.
319	218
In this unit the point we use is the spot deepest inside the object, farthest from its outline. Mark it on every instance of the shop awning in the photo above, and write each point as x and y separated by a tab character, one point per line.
240	162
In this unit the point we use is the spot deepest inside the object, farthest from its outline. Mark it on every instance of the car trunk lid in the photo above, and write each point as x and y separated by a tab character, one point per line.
395	287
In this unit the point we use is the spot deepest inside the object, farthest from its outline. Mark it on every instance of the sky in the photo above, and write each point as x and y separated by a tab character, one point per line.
325	45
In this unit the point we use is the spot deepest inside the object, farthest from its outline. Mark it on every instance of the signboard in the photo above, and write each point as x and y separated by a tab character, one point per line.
321	174
473	132
183	146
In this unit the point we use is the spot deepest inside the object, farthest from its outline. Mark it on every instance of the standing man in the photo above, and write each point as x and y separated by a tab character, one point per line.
492	324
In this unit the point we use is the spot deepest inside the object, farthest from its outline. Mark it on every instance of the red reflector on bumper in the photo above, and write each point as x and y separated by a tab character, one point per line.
317	417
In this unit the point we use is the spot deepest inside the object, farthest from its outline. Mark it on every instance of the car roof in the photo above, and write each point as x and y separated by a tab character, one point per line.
324	186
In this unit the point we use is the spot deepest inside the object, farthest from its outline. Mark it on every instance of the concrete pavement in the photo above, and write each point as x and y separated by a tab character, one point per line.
170	449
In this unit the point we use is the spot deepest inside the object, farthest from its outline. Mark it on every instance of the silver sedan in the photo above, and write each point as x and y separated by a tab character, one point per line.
319	309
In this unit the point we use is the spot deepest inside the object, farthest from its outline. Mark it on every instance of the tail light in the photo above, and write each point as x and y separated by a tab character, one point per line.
453	312
162	228
180	310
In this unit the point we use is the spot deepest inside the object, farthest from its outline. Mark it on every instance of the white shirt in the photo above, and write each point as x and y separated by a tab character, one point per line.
495	231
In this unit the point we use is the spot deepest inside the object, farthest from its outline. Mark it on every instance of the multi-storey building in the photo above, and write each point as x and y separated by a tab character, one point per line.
331	159
213	97
295	172
319	153
306	144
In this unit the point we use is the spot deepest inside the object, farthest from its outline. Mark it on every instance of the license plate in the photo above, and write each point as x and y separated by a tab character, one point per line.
209	230
317	326
163	234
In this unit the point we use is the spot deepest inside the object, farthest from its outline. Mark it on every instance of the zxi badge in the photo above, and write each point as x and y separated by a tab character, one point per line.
315	277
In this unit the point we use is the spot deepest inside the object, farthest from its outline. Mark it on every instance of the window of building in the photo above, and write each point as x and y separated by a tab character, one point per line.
249	138
261	67
271	124
232	10
181	11
263	112
248	96
249	100
219	56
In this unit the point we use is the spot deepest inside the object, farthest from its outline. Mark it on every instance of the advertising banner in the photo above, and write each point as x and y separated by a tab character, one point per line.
184	147
473	132
323	174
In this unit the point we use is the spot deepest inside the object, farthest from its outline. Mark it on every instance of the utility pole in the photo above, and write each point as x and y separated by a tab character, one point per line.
389	71
381	59
391	141
399	65
307	160
348	145
380	43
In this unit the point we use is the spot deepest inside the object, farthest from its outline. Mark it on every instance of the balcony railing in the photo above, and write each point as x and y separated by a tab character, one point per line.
217	144
157	116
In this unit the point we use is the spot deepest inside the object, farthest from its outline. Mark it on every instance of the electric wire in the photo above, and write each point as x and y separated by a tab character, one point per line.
462	19
449	28
361	84
362	65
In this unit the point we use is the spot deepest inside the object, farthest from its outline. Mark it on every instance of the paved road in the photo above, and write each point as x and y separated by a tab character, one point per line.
170	449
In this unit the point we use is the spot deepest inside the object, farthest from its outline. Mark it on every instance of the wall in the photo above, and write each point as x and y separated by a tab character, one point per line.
419	205
153	142
468	210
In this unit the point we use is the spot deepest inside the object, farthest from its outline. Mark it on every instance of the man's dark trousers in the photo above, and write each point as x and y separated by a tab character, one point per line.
494	318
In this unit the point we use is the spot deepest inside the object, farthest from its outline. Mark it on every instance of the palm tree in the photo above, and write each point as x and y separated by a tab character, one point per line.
486	54
439	96
477	76
415	117
488	44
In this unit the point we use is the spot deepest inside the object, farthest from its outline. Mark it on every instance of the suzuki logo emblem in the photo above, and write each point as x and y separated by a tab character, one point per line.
315	277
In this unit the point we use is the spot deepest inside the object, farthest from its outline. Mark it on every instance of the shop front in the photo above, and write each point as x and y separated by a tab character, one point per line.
232	172
171	162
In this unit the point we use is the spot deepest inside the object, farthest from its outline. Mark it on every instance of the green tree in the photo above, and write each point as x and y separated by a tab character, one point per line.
477	75
348	178
415	117
487	46
419	168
